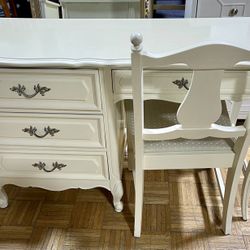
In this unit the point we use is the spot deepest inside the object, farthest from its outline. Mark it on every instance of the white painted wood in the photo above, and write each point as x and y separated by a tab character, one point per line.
179	131
68	91
158	84
243	109
196	115
54	184
204	89
235	110
137	85
190	8
74	106
205	86
194	57
91	165
71	47
159	161
85	131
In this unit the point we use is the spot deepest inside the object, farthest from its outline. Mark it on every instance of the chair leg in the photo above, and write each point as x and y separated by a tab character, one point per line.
232	182
245	194
139	189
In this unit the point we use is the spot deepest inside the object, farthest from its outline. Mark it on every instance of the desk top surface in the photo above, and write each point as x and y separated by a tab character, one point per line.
97	42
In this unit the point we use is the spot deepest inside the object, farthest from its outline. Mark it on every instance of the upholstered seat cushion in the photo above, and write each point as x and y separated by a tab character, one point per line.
155	116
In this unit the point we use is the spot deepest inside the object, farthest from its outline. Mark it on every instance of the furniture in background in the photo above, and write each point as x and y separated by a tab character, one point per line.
195	134
196	8
80	84
44	9
221	8
101	8
9	8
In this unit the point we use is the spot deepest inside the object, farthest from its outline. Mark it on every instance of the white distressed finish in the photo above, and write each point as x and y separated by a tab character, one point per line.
71	47
196	115
85	131
235	85
74	106
88	166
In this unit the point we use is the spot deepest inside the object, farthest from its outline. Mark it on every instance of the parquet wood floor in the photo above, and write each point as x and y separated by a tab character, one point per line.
182	210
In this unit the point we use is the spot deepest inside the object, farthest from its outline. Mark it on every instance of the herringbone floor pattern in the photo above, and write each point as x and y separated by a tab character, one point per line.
182	210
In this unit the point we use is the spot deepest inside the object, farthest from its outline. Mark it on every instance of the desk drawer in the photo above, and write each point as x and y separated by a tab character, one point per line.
235	84
156	83
50	89
52	130
84	166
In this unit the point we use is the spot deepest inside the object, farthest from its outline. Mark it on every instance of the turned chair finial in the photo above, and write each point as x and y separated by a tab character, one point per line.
136	40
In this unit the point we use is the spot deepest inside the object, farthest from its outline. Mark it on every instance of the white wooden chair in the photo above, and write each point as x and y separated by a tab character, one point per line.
195	134
245	191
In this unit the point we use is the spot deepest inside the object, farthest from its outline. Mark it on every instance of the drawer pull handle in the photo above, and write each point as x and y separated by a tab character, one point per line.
42	166
181	83
20	89
233	12
32	131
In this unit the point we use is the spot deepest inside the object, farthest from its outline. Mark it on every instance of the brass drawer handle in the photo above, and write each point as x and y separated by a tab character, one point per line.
181	83
32	131
42	166
20	89
233	12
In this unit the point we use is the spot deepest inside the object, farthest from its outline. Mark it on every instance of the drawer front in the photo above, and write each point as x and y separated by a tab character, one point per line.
223	8
50	89
86	166
47	130
235	84
156	84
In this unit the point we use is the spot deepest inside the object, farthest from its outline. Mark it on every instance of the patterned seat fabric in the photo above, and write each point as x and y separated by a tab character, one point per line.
155	116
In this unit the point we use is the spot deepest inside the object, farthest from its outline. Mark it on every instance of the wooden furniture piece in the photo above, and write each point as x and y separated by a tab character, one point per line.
101	8
200	8
6	8
222	8
44	9
87	81
172	136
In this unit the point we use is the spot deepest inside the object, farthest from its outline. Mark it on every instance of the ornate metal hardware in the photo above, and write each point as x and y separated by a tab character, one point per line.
233	12
181	83
20	89
32	131
42	166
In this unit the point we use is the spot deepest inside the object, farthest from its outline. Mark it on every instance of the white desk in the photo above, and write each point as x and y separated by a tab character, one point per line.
81	67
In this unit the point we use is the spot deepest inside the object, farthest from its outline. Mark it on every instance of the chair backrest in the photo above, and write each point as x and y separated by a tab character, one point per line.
201	106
